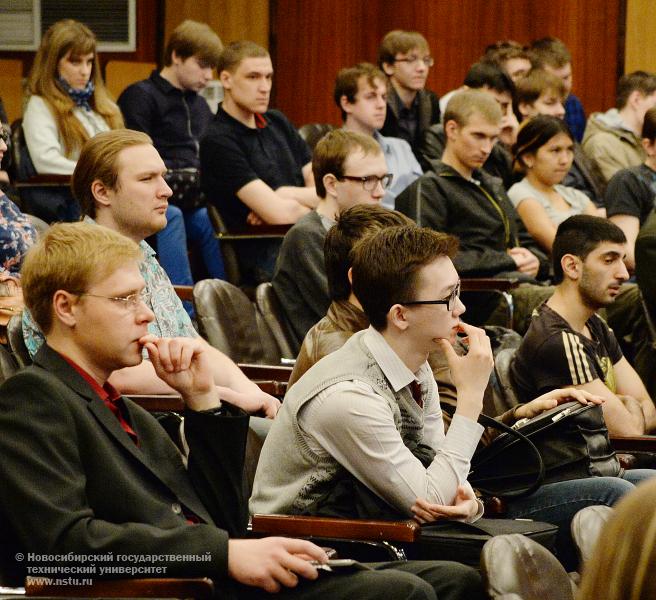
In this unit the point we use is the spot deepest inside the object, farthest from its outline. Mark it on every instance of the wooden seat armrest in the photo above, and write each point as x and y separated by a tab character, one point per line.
638	443
487	284
45	179
184	292
198	588
158	402
266	372
254	232
350	529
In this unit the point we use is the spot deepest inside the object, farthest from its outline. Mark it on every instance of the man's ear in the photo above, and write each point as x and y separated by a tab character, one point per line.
649	146
571	266
451	129
396	316
63	306
225	78
344	104
329	182
100	193
388	69
524	109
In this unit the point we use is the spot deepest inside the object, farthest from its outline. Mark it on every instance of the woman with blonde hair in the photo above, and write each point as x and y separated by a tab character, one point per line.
68	104
623	565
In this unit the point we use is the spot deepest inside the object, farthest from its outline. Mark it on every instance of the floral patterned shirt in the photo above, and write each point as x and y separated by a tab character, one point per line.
17	236
171	319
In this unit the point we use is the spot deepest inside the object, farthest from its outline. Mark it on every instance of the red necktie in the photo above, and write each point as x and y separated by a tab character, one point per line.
415	388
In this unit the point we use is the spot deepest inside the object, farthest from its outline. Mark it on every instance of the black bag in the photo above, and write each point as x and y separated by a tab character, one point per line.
463	542
567	442
185	184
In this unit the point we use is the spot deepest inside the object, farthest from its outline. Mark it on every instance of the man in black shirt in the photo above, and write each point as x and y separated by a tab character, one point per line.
568	344
255	167
404	56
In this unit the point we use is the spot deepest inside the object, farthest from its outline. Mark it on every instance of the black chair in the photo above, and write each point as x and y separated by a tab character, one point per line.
229	241
268	306
41	194
17	342
313	132
227	319
8	365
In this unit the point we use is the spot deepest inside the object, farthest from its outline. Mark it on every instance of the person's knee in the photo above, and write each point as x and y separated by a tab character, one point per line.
612	489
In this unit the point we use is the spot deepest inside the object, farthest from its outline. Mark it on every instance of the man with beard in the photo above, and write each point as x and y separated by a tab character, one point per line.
568	344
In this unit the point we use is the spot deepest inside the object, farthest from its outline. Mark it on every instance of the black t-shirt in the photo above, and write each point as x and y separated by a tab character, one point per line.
553	355
632	192
232	155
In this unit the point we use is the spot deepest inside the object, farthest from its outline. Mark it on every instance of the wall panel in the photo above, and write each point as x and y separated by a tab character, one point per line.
313	39
640	36
231	19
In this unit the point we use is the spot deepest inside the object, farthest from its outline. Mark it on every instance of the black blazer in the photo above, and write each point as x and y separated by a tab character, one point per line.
72	480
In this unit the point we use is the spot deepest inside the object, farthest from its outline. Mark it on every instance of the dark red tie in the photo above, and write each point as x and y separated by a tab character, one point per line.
415	388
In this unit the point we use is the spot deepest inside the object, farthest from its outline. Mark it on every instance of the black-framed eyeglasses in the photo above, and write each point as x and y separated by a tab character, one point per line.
131	301
369	182
429	61
450	301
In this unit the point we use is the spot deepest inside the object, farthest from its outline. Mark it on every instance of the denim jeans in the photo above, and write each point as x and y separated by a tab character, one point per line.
557	503
172	245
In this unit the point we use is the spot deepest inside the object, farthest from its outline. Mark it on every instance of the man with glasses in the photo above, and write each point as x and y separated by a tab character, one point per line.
370	410
349	168
361	95
119	182
405	58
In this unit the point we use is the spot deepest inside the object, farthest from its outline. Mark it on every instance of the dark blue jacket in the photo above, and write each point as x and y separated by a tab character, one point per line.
175	119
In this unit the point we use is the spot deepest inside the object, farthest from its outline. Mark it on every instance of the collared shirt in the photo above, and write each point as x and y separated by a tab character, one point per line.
171	319
352	423
401	162
108	394
408	117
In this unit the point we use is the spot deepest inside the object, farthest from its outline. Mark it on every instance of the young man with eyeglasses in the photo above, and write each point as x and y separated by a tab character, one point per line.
349	169
405	58
361	94
370	410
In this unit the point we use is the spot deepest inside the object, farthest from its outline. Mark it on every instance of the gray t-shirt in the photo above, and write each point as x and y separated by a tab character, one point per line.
576	199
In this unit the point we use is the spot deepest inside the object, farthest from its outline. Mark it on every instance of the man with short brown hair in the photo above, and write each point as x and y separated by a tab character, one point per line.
405	58
361	94
255	167
349	169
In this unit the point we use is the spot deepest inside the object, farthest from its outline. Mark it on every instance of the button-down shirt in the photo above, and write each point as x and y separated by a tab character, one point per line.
401	163
352	423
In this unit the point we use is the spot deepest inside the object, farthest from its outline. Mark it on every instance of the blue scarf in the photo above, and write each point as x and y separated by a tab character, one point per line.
80	97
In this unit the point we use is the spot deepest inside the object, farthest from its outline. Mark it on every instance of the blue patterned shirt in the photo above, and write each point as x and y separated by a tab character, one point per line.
17	236
171	319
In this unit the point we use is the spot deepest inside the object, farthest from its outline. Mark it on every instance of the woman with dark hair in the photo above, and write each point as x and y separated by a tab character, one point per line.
544	152
68	104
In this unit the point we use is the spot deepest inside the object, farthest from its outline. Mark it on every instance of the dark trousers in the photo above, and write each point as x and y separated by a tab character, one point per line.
411	580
